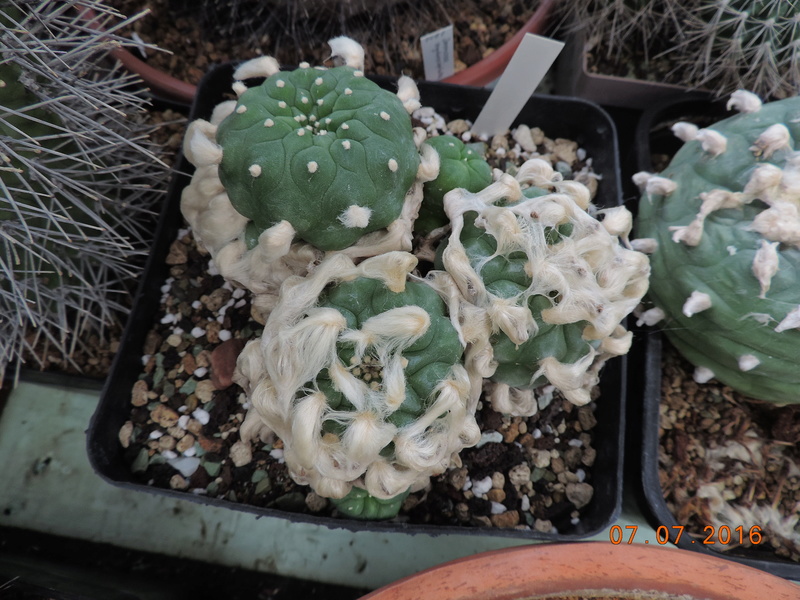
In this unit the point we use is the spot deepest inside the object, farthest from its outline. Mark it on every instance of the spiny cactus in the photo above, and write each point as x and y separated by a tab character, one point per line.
719	45
553	284
311	161
77	177
752	44
723	222
360	373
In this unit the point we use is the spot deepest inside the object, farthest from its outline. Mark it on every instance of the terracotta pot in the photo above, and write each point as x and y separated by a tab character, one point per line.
480	74
553	570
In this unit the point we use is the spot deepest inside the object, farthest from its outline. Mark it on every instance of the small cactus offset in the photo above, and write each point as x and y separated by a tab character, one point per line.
460	166
360	373
78	181
310	161
552	282
723	222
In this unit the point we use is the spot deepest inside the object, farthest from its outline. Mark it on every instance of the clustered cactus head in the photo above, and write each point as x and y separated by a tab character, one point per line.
723	222
360	373
311	161
77	180
327	151
553	282
369	373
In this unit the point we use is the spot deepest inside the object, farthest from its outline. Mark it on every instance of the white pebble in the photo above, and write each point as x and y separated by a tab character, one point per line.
575	443
202	416
155	434
196	304
186	466
498	509
239	293
197	332
525	504
169	454
225	335
145	359
482	487
183	420
536	433
277	454
581	475
240	303
489	436
190	452
200	372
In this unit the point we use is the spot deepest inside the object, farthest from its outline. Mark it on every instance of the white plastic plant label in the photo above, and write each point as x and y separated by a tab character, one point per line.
526	69
437	53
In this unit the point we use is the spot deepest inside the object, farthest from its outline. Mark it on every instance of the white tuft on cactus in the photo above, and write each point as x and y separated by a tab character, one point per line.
686	132
744	101
697	302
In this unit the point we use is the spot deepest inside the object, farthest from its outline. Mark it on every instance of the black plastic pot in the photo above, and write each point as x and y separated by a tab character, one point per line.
578	120
654	137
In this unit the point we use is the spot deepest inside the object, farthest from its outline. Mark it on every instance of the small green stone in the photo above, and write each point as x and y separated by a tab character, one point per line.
212	468
142	461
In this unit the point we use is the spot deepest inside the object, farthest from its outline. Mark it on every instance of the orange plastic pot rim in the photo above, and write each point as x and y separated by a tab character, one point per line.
523	572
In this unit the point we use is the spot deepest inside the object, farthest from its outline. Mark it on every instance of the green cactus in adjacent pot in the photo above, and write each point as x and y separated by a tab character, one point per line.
460	166
359	371
552	282
723	222
309	162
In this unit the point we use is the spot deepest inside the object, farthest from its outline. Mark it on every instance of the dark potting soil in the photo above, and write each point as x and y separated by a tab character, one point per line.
728	460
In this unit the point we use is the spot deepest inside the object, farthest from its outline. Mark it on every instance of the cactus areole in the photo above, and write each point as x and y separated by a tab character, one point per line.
326	150
727	265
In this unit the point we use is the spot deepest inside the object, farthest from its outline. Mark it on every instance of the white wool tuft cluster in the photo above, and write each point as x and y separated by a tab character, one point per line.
597	280
300	343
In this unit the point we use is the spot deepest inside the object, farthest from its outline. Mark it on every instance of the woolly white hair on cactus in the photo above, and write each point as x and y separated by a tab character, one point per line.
336	387
540	268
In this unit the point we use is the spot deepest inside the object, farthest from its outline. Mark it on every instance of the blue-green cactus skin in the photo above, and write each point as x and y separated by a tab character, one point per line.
739	322
320	141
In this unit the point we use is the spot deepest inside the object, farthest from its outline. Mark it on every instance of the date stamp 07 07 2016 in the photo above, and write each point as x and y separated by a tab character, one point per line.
723	535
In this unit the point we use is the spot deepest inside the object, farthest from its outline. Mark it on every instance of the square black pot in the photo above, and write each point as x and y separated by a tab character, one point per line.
569	118
654	136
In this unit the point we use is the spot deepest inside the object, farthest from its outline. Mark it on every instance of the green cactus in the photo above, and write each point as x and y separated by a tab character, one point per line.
360	373
724	217
461	166
554	284
79	186
329	151
751	44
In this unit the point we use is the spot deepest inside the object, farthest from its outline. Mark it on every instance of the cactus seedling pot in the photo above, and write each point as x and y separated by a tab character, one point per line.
573	119
587	570
655	139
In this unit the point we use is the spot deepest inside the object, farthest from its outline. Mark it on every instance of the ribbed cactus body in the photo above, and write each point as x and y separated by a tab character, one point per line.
725	271
552	283
327	150
460	166
361	374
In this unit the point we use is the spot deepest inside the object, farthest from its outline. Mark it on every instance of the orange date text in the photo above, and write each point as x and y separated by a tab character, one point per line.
722	535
